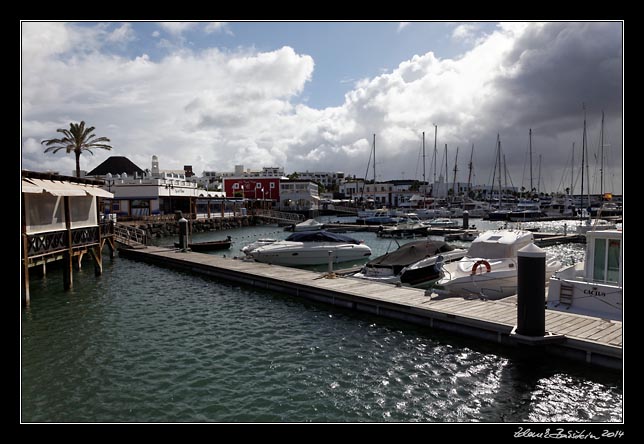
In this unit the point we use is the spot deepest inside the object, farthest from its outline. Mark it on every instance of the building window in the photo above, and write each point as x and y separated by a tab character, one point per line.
235	186
258	185
272	184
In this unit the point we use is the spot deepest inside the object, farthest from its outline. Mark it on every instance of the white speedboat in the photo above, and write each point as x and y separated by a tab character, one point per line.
442	222
258	243
489	270
595	225
308	225
311	248
413	264
592	287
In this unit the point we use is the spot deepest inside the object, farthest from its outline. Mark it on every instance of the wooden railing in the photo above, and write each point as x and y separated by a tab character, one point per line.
58	241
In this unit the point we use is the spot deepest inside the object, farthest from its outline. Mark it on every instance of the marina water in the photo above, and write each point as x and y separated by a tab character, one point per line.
148	344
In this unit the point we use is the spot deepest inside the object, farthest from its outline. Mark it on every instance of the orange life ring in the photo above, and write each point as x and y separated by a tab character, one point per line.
482	262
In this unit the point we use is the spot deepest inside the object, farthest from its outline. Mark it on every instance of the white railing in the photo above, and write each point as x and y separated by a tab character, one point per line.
129	235
279	215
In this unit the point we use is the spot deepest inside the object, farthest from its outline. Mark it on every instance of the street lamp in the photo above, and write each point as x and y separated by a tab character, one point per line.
170	187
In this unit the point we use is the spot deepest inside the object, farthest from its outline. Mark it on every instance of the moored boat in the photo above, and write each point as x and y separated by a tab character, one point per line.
311	248
413	263
489	269
592	287
208	245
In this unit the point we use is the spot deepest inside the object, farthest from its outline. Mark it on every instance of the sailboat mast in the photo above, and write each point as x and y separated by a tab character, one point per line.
435	150
424	179
583	154
469	177
498	151
601	169
446	172
572	171
539	176
455	169
530	138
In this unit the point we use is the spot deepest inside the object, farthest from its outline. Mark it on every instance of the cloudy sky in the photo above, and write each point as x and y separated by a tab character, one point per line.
310	96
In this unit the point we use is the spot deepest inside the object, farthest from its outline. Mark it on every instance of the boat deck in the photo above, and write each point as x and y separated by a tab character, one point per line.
594	340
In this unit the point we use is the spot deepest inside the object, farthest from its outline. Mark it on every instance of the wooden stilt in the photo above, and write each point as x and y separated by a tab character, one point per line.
111	247
80	259
68	266
25	256
68	256
25	273
95	252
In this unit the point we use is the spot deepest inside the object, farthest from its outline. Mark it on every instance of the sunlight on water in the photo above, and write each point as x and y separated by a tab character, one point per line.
148	344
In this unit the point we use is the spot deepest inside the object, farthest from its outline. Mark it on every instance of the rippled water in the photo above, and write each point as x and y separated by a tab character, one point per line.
147	344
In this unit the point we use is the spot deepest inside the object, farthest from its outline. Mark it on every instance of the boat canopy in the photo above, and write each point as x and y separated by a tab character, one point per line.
410	253
321	236
499	244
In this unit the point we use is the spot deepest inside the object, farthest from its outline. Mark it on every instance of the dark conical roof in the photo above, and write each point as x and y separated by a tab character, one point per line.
116	165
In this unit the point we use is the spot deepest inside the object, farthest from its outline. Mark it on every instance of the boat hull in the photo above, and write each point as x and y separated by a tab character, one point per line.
573	295
290	253
500	282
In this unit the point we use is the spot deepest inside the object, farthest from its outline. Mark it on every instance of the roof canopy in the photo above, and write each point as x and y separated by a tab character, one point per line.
62	188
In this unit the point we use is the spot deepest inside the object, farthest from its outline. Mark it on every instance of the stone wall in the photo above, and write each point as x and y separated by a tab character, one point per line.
171	228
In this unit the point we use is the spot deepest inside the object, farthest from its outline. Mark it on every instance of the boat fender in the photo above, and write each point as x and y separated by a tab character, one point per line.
478	263
438	265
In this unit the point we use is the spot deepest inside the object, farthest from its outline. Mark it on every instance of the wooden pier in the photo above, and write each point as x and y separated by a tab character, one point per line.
593	340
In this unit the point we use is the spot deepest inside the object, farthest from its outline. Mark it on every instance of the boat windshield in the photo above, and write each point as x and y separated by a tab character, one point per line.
321	236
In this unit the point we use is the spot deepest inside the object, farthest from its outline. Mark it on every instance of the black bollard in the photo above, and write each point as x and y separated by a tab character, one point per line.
531	306
466	219
183	234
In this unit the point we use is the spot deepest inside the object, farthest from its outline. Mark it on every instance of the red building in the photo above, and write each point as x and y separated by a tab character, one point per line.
253	187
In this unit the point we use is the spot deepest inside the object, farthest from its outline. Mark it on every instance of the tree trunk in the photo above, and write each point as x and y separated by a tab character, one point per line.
77	153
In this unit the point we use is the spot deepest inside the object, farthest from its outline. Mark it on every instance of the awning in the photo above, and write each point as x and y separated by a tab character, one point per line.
60	188
96	191
30	187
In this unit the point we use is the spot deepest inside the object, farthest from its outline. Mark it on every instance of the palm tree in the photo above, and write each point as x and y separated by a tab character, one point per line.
77	139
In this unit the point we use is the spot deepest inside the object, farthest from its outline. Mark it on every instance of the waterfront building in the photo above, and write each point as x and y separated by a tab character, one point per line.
330	180
299	195
60	222
154	192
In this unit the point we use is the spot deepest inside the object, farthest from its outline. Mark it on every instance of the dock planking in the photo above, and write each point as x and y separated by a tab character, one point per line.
597	341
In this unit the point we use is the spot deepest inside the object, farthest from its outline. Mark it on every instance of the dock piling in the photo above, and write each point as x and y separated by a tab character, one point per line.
531	297
466	220
183	233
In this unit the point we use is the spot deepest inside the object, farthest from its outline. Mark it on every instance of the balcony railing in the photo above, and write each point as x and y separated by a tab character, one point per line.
57	241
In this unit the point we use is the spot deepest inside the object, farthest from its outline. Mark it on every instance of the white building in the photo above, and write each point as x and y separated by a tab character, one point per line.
328	179
298	195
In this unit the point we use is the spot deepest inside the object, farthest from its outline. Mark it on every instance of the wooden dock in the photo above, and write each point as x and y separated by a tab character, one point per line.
593	340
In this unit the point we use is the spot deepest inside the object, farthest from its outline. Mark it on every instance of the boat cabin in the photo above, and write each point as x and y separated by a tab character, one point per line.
604	256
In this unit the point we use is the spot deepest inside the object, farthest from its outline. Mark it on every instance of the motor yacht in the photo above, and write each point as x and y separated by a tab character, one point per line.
489	269
311	248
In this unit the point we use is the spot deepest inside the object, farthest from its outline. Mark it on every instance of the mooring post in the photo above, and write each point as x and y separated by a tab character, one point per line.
183	234
531	305
466	220
330	261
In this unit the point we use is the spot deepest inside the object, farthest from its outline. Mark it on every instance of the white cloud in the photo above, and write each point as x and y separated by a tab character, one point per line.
215	109
122	34
217	27
466	33
156	34
177	28
402	25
